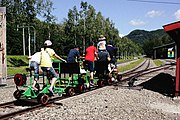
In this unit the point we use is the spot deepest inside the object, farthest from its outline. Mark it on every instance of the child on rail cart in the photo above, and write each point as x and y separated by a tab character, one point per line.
101	42
113	53
102	62
34	64
46	62
91	53
73	54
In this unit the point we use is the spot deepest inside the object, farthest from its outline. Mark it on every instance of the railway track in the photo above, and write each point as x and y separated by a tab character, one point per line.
15	108
19	107
130	77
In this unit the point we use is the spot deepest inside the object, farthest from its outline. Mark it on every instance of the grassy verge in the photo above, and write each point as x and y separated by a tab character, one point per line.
158	62
16	64
15	70
122	60
130	66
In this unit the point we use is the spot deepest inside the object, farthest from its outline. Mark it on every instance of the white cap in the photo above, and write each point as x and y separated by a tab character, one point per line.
47	43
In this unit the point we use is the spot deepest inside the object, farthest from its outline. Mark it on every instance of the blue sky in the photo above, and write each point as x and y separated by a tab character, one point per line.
127	15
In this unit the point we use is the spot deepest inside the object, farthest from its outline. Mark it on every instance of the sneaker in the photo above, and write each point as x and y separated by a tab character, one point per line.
34	88
86	85
91	83
60	94
113	79
51	90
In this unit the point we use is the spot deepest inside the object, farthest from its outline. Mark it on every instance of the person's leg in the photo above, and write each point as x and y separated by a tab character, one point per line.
91	73
53	80
34	84
36	73
91	69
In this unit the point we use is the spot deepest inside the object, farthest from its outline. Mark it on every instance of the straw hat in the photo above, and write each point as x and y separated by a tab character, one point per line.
101	37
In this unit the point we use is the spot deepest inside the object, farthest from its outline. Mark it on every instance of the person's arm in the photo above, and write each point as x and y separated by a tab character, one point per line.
96	52
108	57
78	54
58	57
29	57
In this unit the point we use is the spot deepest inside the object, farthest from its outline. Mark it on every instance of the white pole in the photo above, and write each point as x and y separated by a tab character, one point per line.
29	40
34	40
24	51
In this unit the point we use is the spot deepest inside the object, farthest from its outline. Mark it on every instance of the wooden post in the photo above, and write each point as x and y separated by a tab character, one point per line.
3	65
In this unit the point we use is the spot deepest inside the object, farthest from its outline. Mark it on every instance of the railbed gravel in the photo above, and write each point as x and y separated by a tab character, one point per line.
110	103
107	103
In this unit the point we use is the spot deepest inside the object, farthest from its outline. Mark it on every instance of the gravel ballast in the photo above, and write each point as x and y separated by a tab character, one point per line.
107	103
110	103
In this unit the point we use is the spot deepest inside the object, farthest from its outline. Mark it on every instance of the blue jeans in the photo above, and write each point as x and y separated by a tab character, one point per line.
35	66
51	70
90	65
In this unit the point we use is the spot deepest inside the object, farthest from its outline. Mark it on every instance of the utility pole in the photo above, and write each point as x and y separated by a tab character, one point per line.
24	45
29	38
84	41
29	42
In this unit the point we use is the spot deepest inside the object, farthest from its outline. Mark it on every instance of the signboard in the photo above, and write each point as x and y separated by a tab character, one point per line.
170	53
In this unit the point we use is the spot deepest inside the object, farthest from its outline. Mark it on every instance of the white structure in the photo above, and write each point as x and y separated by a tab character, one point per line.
3	59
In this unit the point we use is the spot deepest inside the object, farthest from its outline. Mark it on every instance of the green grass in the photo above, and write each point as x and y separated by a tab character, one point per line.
123	60
130	66
17	64
158	62
15	70
17	60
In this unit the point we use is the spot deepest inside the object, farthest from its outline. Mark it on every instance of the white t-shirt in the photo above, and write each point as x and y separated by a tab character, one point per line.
36	57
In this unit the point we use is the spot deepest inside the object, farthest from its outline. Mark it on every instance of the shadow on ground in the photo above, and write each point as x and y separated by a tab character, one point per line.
32	102
162	83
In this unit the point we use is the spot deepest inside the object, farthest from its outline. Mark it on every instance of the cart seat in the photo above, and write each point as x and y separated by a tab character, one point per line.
101	67
71	68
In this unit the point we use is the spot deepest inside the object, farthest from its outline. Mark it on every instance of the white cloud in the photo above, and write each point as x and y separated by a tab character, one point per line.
136	22
177	14
154	13
121	35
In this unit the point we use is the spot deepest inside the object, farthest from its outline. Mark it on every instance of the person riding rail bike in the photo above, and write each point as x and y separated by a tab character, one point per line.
46	62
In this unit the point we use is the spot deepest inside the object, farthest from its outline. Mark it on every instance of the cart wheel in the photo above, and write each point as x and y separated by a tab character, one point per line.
70	91
17	94
119	77
20	79
80	88
100	83
43	99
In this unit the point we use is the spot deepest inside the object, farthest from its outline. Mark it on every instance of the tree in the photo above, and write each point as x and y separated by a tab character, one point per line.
23	11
